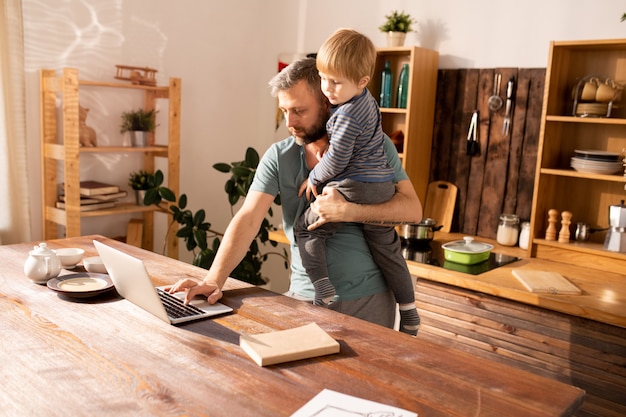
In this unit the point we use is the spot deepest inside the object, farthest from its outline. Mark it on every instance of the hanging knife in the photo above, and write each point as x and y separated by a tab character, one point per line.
510	87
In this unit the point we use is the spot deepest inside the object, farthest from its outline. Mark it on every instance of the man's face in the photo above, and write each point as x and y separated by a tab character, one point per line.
305	116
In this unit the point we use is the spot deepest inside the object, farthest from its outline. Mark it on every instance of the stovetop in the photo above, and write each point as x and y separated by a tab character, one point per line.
432	254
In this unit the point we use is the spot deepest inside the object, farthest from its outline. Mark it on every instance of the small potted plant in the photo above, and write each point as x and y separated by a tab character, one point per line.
140	181
396	27
139	123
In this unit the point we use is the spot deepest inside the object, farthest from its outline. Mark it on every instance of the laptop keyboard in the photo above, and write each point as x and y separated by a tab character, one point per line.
175	307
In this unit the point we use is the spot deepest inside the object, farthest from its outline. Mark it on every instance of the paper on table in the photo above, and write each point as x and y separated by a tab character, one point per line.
330	403
545	282
302	342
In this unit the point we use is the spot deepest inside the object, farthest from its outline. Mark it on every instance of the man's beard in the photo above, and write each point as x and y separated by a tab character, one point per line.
318	131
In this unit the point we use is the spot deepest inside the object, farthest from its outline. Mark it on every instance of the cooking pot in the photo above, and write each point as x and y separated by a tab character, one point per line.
422	232
466	251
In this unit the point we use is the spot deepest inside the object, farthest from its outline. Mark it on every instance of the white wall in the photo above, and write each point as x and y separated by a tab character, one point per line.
226	51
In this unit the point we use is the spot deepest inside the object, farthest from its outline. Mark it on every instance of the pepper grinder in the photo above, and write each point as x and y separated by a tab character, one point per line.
552	219
566	220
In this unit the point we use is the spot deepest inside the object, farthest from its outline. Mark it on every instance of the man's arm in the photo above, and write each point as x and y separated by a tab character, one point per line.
403	207
239	234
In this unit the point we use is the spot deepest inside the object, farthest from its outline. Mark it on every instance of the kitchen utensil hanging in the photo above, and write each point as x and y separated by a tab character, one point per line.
495	101
473	147
510	88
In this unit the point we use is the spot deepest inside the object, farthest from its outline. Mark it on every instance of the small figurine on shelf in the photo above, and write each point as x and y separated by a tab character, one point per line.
86	134
136	75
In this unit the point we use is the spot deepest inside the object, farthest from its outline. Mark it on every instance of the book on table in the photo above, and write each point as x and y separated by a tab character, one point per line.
302	342
91	188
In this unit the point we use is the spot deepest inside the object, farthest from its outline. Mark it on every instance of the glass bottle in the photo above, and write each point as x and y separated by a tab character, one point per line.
508	230
403	87
385	86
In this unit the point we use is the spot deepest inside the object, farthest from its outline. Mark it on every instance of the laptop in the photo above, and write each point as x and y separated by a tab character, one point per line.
131	280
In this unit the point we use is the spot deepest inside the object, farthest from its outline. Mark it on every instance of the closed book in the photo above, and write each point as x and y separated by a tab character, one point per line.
110	197
83	200
89	207
90	188
302	342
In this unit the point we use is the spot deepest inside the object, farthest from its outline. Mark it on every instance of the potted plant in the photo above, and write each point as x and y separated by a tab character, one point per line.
139	123
197	232
141	181
396	27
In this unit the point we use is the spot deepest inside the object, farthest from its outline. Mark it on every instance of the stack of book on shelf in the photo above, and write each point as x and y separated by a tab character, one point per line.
95	195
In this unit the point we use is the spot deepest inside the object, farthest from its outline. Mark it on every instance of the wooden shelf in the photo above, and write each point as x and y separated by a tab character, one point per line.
65	151
586	195
416	120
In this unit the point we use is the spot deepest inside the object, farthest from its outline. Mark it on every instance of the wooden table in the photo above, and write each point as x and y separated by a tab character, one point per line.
105	356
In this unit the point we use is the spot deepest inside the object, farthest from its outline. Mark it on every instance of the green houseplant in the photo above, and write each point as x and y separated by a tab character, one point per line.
141	181
138	123
396	27
196	231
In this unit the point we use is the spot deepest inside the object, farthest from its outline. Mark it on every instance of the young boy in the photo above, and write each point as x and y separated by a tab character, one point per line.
356	165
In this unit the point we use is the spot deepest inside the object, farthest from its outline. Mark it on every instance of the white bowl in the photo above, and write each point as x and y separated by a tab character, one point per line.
94	264
69	257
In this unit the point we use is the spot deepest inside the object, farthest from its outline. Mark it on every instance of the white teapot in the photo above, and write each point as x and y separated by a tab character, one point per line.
42	264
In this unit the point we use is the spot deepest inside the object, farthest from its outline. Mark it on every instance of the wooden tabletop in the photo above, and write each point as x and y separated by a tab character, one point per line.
105	356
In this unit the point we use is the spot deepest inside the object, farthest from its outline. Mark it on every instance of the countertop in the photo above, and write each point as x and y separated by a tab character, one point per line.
603	297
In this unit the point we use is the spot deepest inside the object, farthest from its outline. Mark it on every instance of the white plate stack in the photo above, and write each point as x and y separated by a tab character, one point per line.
597	162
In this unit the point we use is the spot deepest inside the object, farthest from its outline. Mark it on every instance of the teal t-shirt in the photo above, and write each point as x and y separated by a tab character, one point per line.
352	270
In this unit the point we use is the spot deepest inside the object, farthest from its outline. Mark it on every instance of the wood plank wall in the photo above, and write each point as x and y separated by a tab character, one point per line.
580	352
500	179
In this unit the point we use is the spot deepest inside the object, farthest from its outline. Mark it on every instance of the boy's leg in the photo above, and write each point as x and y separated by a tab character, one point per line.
312	246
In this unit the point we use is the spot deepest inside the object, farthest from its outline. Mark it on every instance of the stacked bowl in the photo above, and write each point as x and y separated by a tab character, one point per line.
597	162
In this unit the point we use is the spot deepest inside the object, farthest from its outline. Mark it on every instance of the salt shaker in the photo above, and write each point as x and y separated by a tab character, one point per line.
524	235
508	230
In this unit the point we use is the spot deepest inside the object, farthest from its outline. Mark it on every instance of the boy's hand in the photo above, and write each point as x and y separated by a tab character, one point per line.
308	188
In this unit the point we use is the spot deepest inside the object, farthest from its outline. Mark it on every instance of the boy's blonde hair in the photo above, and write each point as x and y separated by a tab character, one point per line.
347	53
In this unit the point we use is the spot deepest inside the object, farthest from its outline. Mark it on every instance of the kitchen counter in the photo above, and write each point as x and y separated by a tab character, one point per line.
603	294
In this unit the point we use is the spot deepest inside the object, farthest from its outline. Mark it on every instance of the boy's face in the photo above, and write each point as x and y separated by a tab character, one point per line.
340	89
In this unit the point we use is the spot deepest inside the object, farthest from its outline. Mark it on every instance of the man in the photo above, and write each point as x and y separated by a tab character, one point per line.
360	286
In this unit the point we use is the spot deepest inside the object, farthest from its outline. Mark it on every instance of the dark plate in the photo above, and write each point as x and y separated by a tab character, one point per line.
82	285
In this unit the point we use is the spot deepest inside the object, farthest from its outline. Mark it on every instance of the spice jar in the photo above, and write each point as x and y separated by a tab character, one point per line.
524	235
508	230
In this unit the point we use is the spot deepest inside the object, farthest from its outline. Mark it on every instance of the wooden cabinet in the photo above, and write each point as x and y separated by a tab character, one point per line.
416	120
557	186
61	152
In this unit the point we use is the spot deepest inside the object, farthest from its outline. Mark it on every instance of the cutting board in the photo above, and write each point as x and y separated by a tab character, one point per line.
439	204
545	282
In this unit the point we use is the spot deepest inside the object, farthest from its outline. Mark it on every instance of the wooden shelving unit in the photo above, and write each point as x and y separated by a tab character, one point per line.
557	186
63	150
416	121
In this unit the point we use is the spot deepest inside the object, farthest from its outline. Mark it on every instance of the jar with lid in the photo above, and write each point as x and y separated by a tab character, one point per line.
524	235
508	230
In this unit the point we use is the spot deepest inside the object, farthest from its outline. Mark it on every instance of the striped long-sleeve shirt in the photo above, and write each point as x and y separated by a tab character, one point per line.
356	144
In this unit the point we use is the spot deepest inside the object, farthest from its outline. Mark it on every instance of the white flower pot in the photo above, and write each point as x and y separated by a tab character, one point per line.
395	38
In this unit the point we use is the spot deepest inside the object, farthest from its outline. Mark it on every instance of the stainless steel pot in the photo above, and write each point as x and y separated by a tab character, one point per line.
422	232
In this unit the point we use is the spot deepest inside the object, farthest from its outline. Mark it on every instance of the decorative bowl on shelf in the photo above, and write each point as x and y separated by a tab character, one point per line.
596	96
